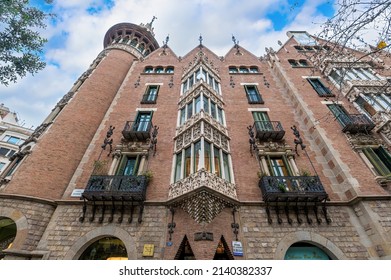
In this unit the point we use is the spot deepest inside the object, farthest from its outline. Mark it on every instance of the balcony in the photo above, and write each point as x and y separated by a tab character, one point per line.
355	123
121	188
137	131
292	189
266	130
202	195
298	194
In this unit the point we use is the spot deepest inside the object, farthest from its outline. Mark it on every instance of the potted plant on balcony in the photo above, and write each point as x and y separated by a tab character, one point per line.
305	173
281	186
148	175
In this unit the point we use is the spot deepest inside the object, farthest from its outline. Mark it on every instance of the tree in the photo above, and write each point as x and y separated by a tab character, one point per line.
20	43
354	20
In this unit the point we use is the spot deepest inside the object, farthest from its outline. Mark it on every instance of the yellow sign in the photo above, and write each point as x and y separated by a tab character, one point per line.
381	45
148	250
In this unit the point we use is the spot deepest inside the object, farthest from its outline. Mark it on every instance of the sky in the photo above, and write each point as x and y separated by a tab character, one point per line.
75	37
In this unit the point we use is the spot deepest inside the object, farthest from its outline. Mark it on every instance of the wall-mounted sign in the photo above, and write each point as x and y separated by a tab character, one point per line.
148	250
77	192
237	248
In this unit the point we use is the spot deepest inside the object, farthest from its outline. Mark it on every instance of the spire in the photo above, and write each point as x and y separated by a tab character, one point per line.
148	26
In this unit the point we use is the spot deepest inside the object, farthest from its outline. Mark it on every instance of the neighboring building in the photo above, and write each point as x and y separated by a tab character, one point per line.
12	135
155	156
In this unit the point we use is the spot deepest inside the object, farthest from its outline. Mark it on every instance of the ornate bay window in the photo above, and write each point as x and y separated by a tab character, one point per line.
202	181
202	155
203	74
201	99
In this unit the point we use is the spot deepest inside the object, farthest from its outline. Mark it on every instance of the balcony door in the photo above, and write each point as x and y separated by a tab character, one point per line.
278	166
340	114
143	121
262	121
128	166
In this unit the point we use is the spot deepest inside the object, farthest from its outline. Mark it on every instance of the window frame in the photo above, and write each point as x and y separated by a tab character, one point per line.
149	93
211	158
8	152
320	88
381	167
258	97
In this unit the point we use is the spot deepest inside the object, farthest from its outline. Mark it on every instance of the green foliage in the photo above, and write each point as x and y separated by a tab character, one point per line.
20	43
148	174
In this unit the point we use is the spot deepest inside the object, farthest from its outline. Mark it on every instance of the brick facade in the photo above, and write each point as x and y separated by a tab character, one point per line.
357	223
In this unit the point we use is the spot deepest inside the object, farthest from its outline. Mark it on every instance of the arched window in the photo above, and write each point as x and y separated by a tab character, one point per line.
305	251
7	234
107	248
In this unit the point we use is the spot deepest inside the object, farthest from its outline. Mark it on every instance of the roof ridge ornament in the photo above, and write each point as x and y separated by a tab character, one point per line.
149	27
236	44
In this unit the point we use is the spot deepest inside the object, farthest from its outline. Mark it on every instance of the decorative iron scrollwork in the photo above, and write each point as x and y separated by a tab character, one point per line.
171	225
235	225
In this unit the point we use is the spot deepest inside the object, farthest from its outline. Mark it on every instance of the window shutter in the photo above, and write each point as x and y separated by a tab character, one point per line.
385	157
379	166
122	164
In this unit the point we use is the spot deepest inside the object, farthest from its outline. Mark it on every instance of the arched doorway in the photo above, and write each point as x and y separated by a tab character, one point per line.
185	252
305	251
106	248
7	234
222	251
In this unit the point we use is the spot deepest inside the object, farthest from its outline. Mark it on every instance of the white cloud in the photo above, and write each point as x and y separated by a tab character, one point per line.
70	55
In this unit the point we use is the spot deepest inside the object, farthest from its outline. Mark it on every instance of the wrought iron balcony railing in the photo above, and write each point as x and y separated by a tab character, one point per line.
269	130
355	123
137	130
115	187
292	188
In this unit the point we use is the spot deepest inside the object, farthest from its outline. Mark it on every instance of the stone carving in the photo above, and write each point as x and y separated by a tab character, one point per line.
201	58
37	133
193	129
361	140
204	195
202	178
197	89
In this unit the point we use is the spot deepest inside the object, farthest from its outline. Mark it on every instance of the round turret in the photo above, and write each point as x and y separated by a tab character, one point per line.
139	37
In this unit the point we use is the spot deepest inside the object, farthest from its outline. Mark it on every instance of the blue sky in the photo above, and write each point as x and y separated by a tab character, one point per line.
76	37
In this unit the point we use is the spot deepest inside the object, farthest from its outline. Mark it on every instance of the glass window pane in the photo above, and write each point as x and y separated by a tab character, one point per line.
216	156
197	156
130	166
207	157
187	161
213	109
216	86
206	104
184	86
12	139
183	116
191	81
197	104
210	80
220	115
189	110
178	167
227	172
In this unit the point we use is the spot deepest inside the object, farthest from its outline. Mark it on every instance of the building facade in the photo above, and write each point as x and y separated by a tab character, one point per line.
155	156
12	135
